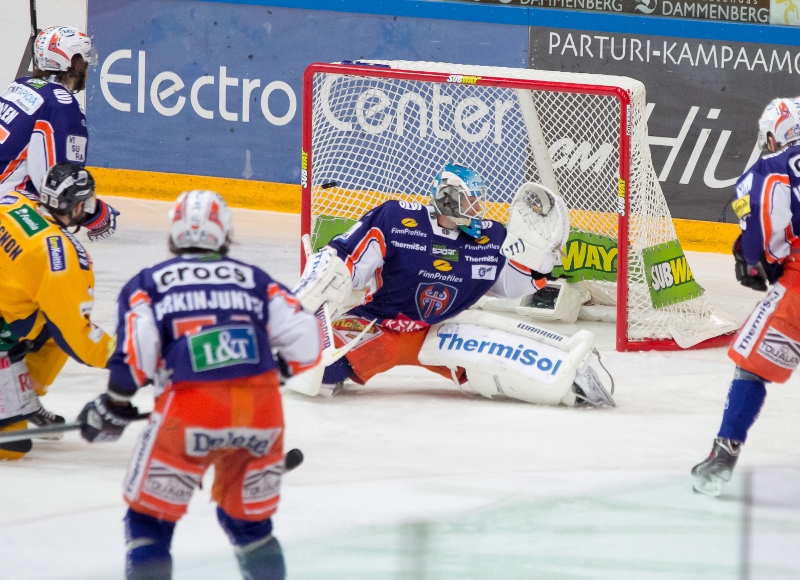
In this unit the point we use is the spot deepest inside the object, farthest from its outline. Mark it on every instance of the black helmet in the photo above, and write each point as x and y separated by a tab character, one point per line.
65	185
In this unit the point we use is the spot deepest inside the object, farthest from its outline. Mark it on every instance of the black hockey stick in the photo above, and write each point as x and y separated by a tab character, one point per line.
44	432
27	57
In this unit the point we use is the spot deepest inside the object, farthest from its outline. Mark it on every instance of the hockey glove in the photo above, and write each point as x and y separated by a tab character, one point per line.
749	275
102	223
104	419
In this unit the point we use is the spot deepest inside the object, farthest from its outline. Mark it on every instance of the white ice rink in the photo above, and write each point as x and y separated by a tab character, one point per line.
408	478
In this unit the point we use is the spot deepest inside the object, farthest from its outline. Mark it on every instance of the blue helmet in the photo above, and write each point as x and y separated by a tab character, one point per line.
458	193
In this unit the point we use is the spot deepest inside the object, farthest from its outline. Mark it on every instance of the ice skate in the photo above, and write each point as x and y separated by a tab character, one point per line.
589	391
45	418
713	473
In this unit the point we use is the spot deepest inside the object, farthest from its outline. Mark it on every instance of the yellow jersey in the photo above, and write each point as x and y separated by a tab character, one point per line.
47	286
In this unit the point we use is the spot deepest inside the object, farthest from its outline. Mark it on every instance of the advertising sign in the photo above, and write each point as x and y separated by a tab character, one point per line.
668	274
752	11
704	99
216	89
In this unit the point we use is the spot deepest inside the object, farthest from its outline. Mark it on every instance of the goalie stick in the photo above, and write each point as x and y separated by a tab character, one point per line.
27	57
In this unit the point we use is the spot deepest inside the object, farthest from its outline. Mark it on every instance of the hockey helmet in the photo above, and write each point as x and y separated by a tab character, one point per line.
458	193
66	185
201	220
54	48
781	119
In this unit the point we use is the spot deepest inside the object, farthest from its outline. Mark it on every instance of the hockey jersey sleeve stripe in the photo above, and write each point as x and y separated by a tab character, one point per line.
13	165
46	129
373	235
295	333
62	343
767	207
275	291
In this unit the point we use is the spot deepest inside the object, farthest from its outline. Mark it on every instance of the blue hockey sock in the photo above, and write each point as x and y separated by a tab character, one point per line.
258	552
745	398
337	372
147	543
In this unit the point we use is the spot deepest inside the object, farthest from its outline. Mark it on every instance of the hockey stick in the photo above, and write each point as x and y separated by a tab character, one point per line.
28	56
44	432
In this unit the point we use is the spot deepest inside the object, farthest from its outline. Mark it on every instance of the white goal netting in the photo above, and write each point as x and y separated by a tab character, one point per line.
381	130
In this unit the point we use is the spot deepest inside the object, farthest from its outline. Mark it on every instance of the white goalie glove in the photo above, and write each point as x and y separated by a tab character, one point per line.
505	357
325	279
538	226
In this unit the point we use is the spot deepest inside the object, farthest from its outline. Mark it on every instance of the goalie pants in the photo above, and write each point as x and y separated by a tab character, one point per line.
768	343
382	349
235	426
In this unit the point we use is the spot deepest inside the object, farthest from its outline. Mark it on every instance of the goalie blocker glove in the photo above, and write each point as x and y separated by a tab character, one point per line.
102	223
105	418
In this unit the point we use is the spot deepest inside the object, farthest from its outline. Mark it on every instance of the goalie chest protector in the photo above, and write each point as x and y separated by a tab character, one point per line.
429	273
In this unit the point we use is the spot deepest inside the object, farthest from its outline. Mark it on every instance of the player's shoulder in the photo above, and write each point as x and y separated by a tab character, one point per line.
30	94
401	207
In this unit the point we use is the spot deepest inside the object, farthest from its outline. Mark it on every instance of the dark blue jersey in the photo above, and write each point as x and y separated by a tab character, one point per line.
41	125
415	270
207	318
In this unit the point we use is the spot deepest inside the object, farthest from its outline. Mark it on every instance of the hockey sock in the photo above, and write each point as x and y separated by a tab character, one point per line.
258	552
337	372
745	398
147	543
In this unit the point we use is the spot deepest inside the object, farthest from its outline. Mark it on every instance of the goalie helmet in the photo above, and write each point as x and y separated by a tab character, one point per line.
66	185
458	193
781	119
201	220
54	48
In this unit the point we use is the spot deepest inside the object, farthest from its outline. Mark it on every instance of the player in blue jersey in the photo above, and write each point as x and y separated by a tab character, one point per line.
42	124
767	347
203	328
420	265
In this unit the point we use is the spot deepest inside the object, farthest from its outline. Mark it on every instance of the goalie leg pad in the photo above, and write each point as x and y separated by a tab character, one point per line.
501	363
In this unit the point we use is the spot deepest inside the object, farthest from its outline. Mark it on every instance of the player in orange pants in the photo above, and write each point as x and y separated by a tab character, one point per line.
203	328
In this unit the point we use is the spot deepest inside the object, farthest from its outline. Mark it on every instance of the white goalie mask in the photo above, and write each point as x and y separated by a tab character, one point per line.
458	192
54	48
781	119
200	220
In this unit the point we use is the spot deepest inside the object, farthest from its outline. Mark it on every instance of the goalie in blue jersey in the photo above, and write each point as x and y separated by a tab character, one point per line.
421	267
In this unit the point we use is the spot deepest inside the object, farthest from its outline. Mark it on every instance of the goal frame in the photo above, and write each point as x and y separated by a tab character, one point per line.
623	343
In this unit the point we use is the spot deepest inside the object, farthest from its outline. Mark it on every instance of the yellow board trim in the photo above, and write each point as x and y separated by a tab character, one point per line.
695	236
166	187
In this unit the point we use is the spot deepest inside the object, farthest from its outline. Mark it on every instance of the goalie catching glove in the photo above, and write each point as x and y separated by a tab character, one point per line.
538	226
325	279
105	418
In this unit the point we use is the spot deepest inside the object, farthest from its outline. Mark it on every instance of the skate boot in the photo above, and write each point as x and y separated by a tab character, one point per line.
589	391
45	418
710	475
331	389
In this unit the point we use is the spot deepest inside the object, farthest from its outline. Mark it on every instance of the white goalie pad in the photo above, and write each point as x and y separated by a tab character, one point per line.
325	279
558	300
538	226
509	357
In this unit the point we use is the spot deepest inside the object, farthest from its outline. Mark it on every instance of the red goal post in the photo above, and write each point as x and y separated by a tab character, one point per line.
379	130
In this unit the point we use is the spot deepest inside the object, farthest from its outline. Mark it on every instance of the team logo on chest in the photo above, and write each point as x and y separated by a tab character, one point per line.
434	299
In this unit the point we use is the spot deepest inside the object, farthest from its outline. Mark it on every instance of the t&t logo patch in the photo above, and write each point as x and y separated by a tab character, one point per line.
223	347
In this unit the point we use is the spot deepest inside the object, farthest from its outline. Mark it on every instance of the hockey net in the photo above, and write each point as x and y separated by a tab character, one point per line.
379	130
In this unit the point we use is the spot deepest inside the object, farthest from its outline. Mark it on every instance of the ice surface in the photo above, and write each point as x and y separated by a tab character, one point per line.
406	477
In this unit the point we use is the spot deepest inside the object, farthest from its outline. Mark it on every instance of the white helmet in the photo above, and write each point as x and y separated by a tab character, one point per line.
55	46
200	220
781	119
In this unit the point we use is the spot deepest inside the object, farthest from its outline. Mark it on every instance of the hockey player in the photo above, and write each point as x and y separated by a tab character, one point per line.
42	123
46	296
767	347
203	327
424	264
